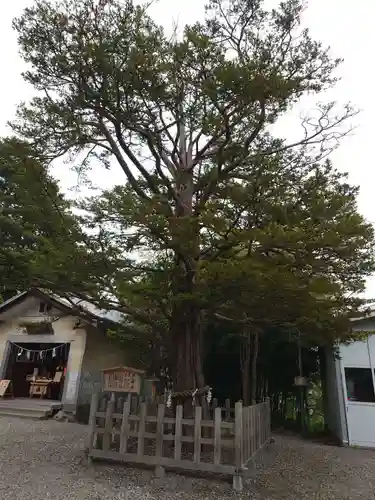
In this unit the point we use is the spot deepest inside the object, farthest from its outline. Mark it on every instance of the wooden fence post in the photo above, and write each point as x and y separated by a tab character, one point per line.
101	420
259	428
141	429
268	419
107	438
120	404
214	406
159	431
206	431
245	434
238	434
159	470
264	423
124	433
178	432
251	431
92	423
212	409
197	434
227	409
217	436
134	409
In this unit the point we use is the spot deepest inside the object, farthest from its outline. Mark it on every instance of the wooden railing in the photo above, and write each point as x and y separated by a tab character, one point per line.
154	435
256	430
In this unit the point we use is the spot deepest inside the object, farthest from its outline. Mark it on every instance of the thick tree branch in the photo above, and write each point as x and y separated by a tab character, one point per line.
132	180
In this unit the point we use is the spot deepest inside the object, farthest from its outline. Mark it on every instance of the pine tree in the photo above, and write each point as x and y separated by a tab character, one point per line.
186	119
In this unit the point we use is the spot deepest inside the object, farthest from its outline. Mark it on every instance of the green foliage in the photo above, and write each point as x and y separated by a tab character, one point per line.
39	235
316	411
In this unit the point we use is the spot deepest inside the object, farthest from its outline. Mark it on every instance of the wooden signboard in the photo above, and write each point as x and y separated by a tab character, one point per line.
123	379
6	388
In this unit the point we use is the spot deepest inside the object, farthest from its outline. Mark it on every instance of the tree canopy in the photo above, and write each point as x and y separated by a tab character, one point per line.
39	236
225	217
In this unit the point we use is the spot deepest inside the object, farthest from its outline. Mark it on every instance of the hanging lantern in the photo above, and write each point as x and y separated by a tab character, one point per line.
28	355
20	351
54	352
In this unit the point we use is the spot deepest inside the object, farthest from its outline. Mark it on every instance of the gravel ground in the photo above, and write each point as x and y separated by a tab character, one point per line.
41	460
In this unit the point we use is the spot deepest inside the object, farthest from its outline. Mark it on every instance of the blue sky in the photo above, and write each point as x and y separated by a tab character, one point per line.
348	27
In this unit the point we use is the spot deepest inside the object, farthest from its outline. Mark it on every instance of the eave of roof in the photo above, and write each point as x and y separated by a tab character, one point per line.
370	313
76	306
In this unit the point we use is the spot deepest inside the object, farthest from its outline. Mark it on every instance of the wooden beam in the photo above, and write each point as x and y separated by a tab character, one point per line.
168	463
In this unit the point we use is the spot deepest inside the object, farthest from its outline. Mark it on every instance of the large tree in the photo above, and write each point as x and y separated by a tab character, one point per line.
184	117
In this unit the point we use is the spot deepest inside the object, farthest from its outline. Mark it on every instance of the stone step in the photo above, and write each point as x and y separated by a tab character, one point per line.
24	413
27	407
33	411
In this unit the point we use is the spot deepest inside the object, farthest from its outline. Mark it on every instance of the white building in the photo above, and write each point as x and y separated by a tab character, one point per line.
41	334
351	388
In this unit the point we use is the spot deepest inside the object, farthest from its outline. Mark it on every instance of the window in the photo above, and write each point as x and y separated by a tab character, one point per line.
44	308
359	385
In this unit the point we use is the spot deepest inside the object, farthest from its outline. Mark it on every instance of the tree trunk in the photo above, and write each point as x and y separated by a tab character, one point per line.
186	331
186	337
254	369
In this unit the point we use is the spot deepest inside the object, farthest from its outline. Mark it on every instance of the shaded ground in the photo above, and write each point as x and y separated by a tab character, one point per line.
296	469
44	460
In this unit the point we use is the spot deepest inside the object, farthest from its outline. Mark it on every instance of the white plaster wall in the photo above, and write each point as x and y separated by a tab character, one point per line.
100	354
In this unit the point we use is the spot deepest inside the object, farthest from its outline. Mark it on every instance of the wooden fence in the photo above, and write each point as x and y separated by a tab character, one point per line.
153	435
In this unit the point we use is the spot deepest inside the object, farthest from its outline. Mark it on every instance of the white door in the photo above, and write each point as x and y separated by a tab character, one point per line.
360	405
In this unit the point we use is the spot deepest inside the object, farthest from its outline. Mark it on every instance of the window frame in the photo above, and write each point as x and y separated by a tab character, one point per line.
372	376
